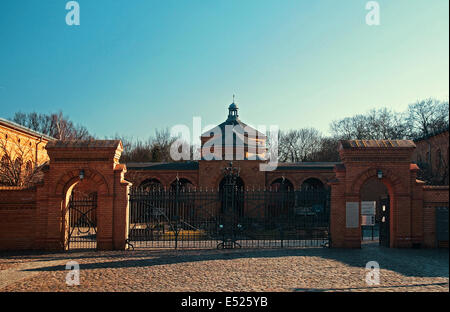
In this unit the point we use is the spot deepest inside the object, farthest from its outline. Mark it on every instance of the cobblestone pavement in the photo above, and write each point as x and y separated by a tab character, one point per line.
230	270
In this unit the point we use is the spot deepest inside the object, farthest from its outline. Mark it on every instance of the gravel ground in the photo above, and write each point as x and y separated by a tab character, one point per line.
314	269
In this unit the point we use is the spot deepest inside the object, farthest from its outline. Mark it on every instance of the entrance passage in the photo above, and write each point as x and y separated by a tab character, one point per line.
229	218
375	223
82	221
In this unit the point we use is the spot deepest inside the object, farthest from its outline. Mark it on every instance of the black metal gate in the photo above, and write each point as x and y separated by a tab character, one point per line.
442	226
385	222
82	222
228	218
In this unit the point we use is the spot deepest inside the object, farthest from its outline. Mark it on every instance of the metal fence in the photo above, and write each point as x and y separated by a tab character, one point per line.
83	222
229	218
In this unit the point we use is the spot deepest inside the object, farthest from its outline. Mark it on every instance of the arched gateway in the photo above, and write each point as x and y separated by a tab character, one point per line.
388	161
84	196
83	168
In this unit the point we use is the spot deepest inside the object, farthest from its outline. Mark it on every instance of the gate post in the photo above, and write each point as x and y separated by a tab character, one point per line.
337	208
121	208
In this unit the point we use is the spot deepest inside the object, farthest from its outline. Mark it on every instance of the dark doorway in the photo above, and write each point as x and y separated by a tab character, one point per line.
237	205
374	190
384	222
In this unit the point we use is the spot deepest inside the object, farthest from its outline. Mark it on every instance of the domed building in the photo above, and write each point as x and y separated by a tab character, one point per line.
232	140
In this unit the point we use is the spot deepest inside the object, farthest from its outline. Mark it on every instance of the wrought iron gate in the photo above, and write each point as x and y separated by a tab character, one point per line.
442	226
384	239
82	222
228	218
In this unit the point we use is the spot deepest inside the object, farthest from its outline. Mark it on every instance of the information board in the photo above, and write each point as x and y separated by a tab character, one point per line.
368	208
352	215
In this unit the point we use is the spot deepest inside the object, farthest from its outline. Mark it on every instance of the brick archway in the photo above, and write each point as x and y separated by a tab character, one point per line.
95	182
99	162
390	179
361	161
72	177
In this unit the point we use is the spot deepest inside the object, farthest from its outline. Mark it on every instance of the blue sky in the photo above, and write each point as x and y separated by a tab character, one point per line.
133	66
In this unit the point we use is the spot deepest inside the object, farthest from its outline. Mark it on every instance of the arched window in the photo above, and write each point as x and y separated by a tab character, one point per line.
151	184
239	183
312	184
281	200
184	184
282	184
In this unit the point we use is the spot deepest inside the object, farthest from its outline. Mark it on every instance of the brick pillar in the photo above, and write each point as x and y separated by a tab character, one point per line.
337	214
341	236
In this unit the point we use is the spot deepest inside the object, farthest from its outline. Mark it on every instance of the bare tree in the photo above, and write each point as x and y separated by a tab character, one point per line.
377	124
426	117
55	125
161	145
385	124
298	145
18	166
154	149
351	128
327	150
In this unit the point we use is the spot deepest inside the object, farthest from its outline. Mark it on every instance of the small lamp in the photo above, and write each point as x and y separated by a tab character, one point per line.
380	174
81	174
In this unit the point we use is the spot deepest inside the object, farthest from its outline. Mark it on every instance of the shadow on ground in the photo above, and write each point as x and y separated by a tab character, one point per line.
408	262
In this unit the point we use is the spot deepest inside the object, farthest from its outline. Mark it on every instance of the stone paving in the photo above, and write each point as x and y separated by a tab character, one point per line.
314	269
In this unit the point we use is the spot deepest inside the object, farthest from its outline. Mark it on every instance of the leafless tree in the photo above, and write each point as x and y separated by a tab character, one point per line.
327	150
377	124
298	145
18	166
426	117
55	125
155	149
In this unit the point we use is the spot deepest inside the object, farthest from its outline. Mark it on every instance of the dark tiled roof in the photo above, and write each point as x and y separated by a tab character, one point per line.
83	144
190	165
16	126
350	144
238	125
307	166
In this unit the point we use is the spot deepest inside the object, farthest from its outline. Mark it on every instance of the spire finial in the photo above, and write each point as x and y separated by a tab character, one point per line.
233	98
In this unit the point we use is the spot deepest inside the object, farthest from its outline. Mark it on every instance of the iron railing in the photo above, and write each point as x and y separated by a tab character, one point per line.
195	218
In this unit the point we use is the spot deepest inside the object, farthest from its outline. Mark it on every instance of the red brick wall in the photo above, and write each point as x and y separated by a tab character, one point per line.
166	177
17	218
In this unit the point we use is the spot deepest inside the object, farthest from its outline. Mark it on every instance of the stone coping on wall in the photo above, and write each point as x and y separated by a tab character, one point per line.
77	144
436	187
352	144
16	188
